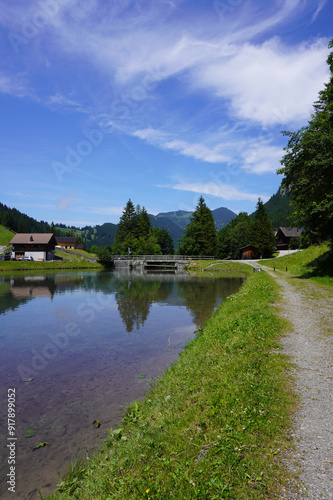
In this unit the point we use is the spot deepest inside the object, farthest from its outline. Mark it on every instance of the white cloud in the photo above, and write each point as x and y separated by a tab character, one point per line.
63	100
13	85
320	7
200	151
270	84
261	158
226	191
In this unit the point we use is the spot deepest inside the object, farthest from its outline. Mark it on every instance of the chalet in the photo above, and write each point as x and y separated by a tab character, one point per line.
66	242
284	235
39	246
249	252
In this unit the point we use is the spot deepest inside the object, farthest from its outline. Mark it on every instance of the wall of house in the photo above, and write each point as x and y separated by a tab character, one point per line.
40	255
67	245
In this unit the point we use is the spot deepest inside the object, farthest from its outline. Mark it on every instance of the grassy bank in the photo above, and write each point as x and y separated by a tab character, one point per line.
215	424
56	265
66	261
5	235
315	262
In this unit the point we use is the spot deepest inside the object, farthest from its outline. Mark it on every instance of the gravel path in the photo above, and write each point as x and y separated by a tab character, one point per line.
309	309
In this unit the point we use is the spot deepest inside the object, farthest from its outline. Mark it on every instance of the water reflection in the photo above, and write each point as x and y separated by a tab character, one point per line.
74	346
134	293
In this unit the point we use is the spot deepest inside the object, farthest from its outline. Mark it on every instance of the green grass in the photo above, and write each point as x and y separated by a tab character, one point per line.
36	265
315	262
5	235
215	424
69	261
231	269
73	257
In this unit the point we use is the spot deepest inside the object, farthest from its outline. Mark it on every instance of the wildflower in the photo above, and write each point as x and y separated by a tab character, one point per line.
147	491
243	455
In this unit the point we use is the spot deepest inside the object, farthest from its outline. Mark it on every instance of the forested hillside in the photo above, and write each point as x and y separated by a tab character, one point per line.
279	209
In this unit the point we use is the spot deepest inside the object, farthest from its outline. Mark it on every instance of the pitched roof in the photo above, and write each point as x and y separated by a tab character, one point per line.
66	239
291	232
32	238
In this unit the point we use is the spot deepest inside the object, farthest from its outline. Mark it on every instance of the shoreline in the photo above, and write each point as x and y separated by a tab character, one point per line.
217	421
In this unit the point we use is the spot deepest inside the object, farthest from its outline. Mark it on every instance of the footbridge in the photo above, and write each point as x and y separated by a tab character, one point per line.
156	262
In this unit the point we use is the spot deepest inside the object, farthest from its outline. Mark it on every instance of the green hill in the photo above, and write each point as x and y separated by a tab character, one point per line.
315	262
5	235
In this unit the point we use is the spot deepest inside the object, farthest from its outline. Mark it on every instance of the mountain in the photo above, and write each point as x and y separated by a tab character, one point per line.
279	209
181	218
222	217
175	222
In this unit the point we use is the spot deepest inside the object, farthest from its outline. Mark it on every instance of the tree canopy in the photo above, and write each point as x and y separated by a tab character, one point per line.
242	231
262	232
135	234
200	236
234	236
307	165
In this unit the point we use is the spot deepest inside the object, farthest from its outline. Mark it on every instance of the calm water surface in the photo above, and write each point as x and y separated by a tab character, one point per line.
75	347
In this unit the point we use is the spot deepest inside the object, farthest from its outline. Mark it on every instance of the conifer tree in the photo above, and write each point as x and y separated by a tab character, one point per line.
263	236
200	236
143	222
127	223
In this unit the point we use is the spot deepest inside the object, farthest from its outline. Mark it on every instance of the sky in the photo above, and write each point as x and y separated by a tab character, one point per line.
157	101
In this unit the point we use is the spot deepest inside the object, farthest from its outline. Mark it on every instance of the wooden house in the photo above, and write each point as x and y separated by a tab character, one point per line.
249	252
284	235
39	246
68	242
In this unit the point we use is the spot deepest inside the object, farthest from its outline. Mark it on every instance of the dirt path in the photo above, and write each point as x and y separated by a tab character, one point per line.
309	309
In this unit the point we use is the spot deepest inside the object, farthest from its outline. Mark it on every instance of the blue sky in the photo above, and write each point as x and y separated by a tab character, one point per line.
159	101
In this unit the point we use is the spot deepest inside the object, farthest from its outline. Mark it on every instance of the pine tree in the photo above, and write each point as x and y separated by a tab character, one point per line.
263	236
127	223
143	222
200	236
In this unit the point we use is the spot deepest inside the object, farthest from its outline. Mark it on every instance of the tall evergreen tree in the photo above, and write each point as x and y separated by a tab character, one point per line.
127	223
262	231
200	236
143	222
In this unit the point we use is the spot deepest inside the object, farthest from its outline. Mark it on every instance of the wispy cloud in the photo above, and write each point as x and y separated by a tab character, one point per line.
225	191
14	85
320	7
199	151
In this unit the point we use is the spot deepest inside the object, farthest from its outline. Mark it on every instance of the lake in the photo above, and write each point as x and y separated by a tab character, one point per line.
80	346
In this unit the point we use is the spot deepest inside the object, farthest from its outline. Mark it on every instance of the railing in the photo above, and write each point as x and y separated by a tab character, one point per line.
162	257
